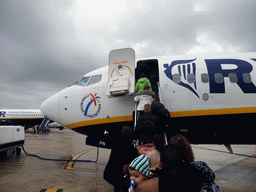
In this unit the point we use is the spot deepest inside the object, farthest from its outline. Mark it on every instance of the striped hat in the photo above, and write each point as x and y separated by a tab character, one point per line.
142	165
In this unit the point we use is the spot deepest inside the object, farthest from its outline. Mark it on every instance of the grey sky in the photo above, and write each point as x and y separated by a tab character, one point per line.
47	45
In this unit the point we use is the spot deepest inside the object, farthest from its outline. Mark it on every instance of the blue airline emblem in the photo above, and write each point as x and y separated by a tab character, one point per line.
184	67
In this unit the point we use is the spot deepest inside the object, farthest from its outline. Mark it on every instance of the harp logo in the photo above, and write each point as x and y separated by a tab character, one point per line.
185	69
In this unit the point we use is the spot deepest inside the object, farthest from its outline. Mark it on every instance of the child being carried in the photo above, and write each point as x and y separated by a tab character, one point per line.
139	171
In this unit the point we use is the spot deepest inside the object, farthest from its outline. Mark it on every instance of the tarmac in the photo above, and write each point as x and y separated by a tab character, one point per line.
30	174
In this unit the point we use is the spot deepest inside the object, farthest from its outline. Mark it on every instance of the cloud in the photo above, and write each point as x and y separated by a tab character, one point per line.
54	43
208	43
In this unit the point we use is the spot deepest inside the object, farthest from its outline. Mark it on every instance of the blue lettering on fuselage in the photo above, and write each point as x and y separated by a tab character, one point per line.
215	66
2	113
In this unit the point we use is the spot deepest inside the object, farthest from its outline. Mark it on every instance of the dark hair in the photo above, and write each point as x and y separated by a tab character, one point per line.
146	87
147	108
171	155
127	133
155	97
145	139
158	141
181	141
184	176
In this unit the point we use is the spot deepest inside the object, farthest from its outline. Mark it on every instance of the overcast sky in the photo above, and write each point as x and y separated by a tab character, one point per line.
46	45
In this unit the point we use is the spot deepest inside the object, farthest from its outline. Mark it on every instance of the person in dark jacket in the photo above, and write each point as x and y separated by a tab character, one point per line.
163	115
208	174
156	105
177	174
123	152
146	124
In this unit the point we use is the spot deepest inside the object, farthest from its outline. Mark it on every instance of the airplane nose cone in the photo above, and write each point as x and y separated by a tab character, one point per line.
50	107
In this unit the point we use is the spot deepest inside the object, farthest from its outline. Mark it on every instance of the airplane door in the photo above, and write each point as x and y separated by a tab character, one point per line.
121	72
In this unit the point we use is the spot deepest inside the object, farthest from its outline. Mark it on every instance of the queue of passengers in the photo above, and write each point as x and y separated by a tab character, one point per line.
154	166
158	168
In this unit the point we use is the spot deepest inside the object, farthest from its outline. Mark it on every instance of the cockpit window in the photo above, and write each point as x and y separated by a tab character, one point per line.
95	79
83	81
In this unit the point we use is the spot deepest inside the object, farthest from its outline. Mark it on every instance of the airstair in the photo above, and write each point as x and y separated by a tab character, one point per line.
44	124
136	117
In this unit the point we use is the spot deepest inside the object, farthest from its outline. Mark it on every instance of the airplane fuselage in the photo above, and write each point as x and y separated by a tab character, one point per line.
211	98
24	117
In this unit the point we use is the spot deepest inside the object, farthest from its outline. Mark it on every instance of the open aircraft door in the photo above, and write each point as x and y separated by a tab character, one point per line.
121	72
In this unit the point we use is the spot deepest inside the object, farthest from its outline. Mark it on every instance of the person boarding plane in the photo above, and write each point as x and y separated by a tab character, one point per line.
211	97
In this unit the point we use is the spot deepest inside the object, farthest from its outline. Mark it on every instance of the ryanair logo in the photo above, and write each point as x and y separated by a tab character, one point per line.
185	69
184	73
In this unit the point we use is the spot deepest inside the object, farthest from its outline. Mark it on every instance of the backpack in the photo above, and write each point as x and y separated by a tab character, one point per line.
160	111
147	123
164	116
163	113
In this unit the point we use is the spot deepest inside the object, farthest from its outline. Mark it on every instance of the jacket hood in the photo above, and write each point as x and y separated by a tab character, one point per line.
146	149
146	92
142	80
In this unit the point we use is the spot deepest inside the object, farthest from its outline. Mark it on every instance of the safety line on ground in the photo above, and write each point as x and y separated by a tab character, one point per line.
220	151
51	190
15	164
87	170
71	162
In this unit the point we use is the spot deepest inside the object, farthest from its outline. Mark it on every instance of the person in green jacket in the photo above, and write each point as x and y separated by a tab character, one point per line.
141	84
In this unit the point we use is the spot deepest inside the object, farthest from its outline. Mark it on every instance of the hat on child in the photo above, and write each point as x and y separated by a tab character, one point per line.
142	165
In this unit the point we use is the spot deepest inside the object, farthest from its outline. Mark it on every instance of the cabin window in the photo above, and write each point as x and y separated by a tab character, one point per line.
205	77
218	78
233	77
176	78
191	78
95	79
83	81
247	78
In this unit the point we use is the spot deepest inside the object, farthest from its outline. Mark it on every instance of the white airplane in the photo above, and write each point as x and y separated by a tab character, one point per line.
211	97
24	117
54	125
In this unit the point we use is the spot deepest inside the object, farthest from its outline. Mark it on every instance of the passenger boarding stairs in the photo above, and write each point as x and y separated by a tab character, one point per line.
136	116
43	125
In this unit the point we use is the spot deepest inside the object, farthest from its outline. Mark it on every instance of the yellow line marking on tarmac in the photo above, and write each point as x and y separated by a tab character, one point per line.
70	164
16	164
88	170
